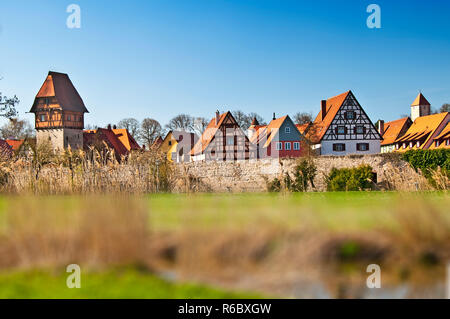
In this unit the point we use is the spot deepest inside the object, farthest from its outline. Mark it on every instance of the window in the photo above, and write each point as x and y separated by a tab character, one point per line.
447	142
296	146
279	146
404	145
410	144
436	143
362	147
287	146
359	129
350	115
397	146
287	129
341	130
230	140
68	117
418	143
42	118
170	143
339	147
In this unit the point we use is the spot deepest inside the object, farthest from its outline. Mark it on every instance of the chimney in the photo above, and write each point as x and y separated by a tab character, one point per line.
381	127
217	117
274	116
109	126
114	127
323	108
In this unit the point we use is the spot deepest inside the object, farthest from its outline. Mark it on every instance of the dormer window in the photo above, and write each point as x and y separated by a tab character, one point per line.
410	144
404	145
418	144
447	142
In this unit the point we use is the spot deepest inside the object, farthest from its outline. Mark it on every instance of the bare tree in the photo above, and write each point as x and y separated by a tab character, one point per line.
16	129
131	124
445	108
182	122
150	130
200	124
302	118
241	119
8	106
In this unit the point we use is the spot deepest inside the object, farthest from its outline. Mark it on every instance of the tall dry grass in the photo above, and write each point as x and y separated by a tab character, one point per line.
43	172
93	232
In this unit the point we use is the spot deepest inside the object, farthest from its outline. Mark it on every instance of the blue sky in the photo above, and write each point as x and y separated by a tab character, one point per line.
160	58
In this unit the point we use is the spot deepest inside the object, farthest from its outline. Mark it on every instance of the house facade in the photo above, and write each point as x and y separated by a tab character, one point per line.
178	145
59	113
391	131
222	140
342	127
280	138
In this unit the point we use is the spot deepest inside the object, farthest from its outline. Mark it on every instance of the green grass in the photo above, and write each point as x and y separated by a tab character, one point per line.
330	211
112	284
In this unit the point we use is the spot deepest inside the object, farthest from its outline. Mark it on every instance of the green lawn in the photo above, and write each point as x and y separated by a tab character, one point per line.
109	285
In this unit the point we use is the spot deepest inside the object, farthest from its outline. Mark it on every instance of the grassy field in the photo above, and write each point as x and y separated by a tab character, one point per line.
267	243
123	284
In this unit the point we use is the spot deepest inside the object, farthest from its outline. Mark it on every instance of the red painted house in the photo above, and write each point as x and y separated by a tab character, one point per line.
280	138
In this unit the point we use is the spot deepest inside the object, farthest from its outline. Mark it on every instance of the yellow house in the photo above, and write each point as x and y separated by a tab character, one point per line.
177	145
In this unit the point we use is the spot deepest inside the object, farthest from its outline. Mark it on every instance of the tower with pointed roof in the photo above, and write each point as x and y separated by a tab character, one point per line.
420	107
59	113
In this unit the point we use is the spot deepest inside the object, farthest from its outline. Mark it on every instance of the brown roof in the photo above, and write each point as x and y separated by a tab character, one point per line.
157	143
420	100
332	107
393	129
58	85
126	138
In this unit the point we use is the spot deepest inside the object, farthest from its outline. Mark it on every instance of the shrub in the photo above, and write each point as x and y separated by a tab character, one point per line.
429	162
350	179
304	174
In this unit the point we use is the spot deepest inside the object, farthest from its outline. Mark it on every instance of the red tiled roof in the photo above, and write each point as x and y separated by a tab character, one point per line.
127	140
302	128
209	133
332	107
15	144
59	85
91	137
393	129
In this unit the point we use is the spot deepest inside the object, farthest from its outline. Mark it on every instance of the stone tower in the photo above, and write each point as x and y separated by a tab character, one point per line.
59	113
420	107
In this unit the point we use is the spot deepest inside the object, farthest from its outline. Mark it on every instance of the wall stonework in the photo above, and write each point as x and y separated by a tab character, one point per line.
61	138
252	175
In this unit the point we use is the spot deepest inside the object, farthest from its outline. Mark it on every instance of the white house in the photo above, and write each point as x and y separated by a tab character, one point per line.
342	127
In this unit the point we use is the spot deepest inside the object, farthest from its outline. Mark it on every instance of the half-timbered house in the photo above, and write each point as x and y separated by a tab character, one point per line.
222	140
343	127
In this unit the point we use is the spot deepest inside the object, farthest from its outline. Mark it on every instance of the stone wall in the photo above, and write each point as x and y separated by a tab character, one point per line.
252	175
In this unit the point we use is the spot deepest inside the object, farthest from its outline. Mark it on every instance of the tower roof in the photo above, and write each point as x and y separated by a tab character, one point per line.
58	85
420	100
255	121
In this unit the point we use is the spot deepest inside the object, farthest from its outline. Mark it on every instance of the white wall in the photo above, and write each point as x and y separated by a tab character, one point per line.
350	147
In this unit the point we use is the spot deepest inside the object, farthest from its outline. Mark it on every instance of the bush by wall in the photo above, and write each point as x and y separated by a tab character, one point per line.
304	173
350	179
428	160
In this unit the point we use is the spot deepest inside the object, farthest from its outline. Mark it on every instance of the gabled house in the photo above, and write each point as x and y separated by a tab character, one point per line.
343	127
222	140
156	144
443	139
118	140
391	131
422	132
178	145
280	138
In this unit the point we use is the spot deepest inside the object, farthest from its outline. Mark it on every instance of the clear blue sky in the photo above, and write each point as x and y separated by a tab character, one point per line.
159	58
